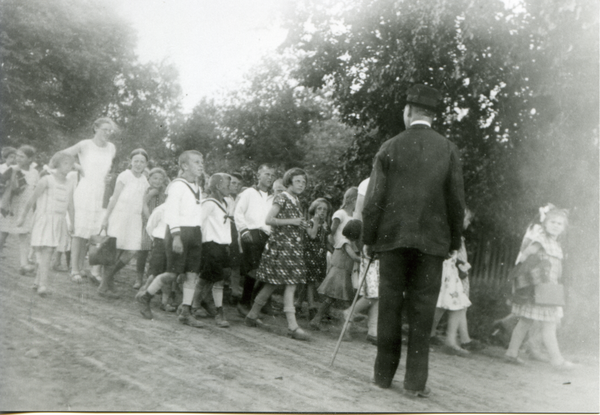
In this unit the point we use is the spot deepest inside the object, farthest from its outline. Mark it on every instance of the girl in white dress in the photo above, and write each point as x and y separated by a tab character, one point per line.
95	159
51	198
24	178
123	218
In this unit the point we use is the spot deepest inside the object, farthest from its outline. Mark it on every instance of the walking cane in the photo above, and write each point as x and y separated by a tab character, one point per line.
350	315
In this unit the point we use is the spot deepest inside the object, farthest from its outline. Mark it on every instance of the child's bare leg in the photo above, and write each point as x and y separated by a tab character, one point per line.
44	258
78	250
439	313
551	342
24	249
518	335
463	328
452	330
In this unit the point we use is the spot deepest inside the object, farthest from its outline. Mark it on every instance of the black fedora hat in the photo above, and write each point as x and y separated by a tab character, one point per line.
423	96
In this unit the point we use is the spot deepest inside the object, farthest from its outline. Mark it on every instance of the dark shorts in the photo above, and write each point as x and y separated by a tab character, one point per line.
189	259
253	251
158	258
215	258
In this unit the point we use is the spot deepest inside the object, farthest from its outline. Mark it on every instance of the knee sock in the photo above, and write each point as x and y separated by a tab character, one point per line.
261	300
68	258
189	287
217	292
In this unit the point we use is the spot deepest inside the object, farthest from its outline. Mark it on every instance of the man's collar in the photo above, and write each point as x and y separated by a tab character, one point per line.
419	122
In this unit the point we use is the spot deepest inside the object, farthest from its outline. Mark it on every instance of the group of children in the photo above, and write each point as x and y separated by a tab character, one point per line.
189	235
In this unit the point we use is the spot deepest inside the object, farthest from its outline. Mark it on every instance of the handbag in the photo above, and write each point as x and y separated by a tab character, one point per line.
549	294
102	249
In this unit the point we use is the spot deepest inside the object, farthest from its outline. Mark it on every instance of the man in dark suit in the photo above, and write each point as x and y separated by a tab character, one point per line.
413	218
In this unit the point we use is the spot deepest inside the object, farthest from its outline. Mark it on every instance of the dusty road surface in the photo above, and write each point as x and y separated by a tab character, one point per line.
74	351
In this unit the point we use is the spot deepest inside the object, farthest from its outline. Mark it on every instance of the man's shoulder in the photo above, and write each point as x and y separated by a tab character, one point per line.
410	134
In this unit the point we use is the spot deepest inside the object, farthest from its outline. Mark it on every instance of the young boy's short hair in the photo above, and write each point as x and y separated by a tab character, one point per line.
7	152
215	181
184	158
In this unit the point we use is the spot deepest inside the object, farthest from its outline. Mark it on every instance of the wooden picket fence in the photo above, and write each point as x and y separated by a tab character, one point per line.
491	260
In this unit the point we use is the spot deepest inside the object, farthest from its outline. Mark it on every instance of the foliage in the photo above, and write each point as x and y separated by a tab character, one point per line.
502	73
59	62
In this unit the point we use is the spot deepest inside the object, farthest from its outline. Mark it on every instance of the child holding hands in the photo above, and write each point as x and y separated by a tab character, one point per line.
51	197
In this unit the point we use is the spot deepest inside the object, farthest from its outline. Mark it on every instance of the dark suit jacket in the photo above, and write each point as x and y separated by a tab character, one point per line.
415	197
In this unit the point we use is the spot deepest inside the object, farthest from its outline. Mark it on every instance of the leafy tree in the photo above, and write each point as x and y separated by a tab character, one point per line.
59	62
498	68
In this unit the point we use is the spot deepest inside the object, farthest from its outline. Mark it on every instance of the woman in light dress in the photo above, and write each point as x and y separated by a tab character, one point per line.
123	219
95	159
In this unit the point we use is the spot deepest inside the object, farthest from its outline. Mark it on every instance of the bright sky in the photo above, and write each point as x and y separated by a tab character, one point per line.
213	43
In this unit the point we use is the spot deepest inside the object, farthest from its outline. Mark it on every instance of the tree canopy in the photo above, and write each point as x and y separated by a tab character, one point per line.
505	74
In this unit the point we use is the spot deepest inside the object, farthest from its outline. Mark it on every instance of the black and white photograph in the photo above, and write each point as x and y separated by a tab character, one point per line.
300	206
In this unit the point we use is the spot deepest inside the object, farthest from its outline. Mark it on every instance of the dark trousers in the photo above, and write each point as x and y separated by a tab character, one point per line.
252	253
406	274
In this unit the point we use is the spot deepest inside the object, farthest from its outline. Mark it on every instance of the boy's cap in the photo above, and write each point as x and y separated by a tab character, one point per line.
423	96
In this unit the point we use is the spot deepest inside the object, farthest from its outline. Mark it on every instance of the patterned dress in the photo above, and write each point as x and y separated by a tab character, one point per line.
315	255
282	261
454	292
550	253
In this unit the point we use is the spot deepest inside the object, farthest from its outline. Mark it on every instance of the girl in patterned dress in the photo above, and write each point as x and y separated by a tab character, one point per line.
338	282
282	261
155	196
24	177
123	219
454	297
541	257
49	231
315	250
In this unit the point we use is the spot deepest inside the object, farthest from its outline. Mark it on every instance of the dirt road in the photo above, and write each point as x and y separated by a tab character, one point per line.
74	351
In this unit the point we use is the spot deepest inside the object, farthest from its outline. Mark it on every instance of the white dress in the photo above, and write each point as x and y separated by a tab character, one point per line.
8	224
50	218
125	222
87	199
